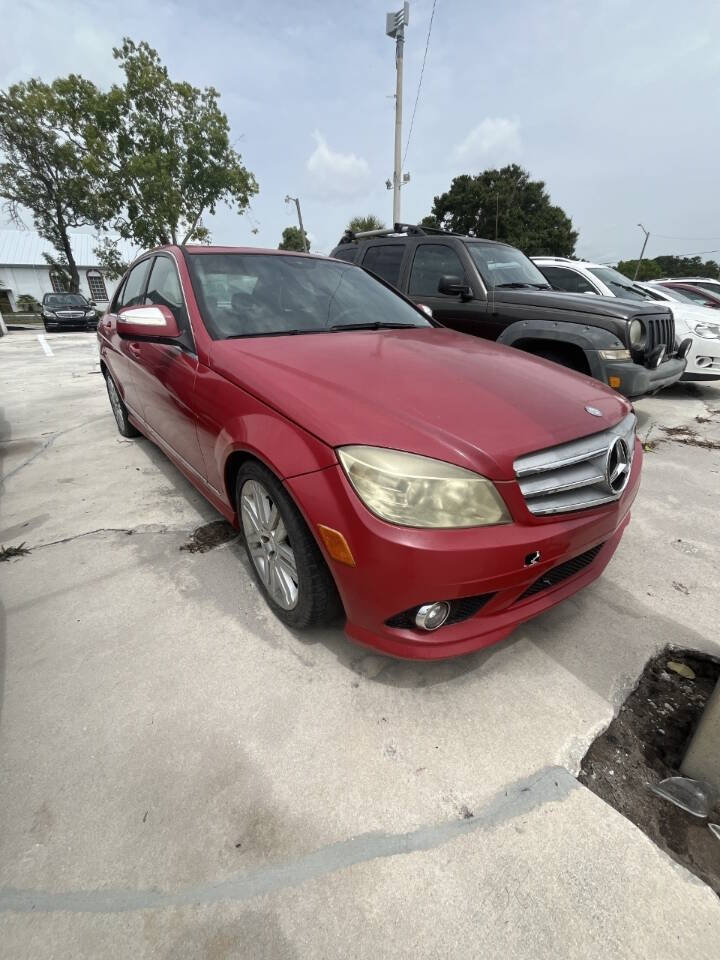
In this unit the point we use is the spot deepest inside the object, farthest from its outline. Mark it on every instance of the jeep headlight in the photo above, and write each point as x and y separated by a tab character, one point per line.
416	491
637	334
710	331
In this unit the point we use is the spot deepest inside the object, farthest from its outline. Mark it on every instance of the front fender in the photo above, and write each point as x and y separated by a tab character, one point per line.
589	339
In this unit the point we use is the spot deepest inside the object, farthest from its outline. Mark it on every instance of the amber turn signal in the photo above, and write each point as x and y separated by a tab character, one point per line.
337	545
614	382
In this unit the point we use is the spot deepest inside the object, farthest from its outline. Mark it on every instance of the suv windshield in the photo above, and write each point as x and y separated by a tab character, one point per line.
620	285
55	300
504	266
255	295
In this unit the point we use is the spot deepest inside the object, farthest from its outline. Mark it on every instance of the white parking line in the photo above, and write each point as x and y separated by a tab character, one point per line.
45	345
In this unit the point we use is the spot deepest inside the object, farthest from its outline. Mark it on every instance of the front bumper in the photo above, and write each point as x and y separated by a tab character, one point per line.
703	360
399	568
638	381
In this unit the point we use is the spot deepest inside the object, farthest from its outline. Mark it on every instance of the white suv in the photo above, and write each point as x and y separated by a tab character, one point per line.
700	324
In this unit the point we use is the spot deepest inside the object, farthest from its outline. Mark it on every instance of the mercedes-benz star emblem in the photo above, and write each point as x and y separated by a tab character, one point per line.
594	412
617	466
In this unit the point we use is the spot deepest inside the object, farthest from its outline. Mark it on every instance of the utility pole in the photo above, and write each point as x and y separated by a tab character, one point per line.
395	24
296	201
647	234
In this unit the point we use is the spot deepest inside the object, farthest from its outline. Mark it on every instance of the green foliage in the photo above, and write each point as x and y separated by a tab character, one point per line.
292	239
42	167
110	259
164	151
508	198
368	222
28	303
671	266
649	269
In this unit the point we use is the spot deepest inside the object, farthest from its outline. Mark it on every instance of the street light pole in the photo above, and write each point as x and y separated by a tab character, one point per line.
296	201
395	24
647	234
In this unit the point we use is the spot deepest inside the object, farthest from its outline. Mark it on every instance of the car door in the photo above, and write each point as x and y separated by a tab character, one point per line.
568	280
165	372
120	357
432	261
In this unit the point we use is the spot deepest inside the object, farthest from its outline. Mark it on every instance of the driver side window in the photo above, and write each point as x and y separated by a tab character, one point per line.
432	261
569	281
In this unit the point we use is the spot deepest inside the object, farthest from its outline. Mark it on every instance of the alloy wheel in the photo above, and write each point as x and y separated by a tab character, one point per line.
268	544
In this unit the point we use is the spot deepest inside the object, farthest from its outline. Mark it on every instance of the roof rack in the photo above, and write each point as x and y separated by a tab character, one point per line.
398	229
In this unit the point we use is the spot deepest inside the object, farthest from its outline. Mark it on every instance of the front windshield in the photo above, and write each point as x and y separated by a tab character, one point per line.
256	294
55	300
620	285
503	266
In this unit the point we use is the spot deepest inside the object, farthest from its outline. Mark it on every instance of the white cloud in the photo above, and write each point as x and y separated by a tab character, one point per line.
337	174
495	138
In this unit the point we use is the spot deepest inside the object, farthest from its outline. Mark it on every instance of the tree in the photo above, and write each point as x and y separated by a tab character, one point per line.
649	269
368	222
671	266
505	205
292	239
165	151
42	168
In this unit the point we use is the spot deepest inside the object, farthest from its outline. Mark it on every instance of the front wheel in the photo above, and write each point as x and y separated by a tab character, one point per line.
285	559
119	409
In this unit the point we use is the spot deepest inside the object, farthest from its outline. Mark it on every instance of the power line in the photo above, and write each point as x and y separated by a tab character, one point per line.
422	71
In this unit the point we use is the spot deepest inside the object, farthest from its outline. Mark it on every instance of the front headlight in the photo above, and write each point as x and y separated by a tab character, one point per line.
637	334
710	331
90	314
48	314
416	491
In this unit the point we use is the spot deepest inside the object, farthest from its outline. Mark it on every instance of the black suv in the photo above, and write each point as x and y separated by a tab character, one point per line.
492	290
63	310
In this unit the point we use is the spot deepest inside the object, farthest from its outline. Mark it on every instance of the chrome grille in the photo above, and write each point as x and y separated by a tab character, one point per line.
574	475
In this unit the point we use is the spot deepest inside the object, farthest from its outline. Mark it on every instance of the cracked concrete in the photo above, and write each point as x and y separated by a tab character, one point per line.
162	735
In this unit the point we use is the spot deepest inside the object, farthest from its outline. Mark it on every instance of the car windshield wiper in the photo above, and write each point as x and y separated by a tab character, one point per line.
515	285
372	325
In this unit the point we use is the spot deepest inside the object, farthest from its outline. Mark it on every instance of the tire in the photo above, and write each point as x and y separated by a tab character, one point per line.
282	551
119	409
557	356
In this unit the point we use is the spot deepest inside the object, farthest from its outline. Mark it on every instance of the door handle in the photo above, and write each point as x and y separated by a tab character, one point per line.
134	349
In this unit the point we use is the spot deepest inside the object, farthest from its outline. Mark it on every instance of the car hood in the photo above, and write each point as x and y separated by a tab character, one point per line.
687	315
590	303
425	390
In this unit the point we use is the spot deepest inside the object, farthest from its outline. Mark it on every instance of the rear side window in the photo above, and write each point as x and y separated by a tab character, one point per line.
346	253
384	261
133	292
432	261
567	280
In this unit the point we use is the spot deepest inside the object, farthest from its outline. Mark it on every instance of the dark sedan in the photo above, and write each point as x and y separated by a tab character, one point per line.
64	310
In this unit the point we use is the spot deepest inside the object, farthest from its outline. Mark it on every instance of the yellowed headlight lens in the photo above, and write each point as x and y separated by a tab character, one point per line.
416	491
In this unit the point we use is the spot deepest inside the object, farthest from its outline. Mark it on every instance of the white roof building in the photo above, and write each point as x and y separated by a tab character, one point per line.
25	272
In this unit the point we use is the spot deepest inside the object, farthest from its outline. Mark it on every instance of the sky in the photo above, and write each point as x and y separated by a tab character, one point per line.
614	105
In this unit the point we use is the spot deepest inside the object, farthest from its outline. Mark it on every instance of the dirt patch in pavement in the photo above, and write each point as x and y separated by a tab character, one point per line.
209	536
646	743
689	438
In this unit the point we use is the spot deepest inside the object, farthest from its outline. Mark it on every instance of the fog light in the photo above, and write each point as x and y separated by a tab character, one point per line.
432	615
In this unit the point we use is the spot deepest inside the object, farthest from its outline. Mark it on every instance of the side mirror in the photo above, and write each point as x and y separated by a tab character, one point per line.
152	321
454	286
92	303
425	309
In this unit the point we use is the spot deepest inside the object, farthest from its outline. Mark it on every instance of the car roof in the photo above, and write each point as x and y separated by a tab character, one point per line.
566	261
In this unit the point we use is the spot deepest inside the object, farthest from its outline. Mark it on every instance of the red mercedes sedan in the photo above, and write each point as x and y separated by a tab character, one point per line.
435	488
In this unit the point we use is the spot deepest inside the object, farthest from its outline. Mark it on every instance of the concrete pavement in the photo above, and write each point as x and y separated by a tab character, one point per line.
182	776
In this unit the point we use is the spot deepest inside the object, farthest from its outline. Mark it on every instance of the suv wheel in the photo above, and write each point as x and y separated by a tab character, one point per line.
285	559
563	358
